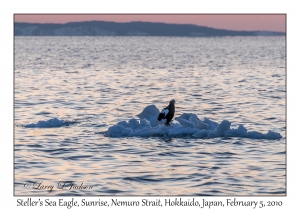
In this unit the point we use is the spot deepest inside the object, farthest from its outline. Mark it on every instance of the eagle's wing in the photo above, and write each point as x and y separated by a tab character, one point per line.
165	112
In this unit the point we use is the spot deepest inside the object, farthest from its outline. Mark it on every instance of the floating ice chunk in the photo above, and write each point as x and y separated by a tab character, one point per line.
133	123
213	134
193	118
201	125
153	121
52	123
185	116
197	123
145	123
182	131
254	135
124	123
163	121
211	124
258	135
241	131
143	132
187	125
159	130
201	134
272	135
149	112
32	125
223	126
126	132
184	122
118	131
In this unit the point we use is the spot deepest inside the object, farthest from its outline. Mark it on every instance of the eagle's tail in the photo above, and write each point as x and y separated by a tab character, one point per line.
160	116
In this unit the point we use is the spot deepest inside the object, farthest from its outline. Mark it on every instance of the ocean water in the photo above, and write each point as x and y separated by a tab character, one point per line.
70	93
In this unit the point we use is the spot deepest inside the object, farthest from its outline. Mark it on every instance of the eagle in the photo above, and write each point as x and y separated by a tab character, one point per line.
167	113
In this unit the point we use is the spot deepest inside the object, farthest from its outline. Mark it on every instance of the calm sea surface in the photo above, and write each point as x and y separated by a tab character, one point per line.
96	82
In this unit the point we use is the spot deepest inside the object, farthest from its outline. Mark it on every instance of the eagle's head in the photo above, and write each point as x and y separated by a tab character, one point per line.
172	102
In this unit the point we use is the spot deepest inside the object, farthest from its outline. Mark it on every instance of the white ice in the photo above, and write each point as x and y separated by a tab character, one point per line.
185	125
53	122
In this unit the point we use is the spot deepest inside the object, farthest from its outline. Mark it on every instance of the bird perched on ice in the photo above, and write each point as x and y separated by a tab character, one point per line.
167	113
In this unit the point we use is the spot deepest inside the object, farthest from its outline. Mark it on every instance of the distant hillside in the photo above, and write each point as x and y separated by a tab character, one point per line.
101	28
